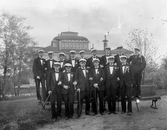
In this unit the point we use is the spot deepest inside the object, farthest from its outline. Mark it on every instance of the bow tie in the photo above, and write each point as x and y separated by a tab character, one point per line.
51	59
83	68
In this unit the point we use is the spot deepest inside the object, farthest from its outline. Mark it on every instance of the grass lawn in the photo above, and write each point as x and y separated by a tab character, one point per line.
16	114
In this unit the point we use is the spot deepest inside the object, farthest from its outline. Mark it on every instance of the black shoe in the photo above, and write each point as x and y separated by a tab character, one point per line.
101	113
109	112
87	113
94	114
67	118
114	112
129	113
78	116
122	112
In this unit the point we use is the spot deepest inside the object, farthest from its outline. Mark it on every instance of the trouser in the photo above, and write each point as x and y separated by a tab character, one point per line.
48	81
80	97
69	104
37	82
126	90
52	101
137	85
59	102
87	100
111	98
100	93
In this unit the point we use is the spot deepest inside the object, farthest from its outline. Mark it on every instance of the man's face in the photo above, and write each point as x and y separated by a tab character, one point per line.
72	55
61	57
119	51
82	64
136	52
110	61
50	56
41	54
68	69
96	63
56	67
94	53
107	51
82	54
123	60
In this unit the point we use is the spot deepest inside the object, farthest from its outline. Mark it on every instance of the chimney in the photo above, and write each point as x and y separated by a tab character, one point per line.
105	41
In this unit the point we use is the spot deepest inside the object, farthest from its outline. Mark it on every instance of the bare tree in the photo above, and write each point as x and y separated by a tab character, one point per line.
144	40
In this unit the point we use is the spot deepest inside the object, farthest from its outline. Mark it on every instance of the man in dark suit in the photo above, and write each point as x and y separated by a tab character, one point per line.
39	74
104	58
138	64
82	83
97	85
82	54
111	78
49	69
126	82
89	63
103	63
118	63
73	61
117	57
68	90
62	61
55	90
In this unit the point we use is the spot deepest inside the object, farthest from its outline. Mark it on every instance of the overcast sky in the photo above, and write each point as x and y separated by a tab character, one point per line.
92	19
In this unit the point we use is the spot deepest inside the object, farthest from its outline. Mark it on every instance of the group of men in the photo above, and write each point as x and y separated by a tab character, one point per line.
107	77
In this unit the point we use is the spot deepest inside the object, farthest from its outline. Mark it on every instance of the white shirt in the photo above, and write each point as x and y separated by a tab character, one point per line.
56	76
73	63
41	61
111	69
51	63
96	70
69	77
84	71
123	69
61	63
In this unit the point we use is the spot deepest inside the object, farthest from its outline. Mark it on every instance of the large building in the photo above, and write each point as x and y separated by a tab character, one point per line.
67	41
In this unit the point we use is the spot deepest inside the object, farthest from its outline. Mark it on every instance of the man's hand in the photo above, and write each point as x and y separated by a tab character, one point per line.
38	77
59	83
74	83
78	89
101	66
118	79
90	78
65	86
96	85
101	79
50	92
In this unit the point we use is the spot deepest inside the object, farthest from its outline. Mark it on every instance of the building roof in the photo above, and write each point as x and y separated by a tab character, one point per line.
72	36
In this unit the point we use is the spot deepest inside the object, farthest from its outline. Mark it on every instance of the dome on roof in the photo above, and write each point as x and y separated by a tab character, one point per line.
70	36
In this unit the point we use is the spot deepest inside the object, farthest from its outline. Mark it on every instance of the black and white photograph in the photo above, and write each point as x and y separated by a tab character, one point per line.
83	65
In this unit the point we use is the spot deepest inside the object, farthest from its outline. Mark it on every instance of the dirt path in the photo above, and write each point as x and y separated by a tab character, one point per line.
146	119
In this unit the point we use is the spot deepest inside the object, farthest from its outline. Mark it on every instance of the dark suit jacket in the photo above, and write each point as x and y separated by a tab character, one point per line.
54	83
47	66
71	89
82	81
128	76
117	59
96	78
89	62
111	79
38	68
62	68
103	61
138	63
73	69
